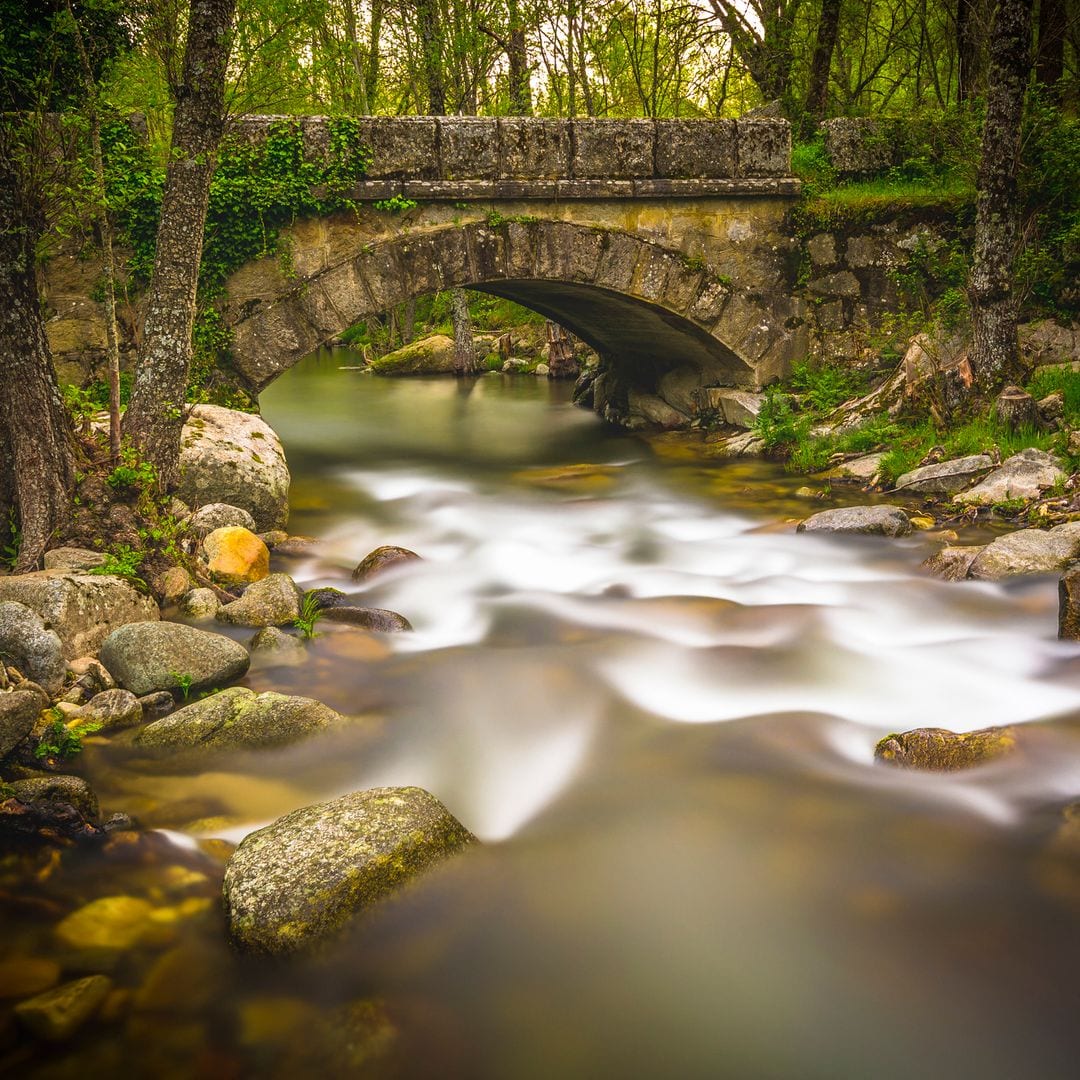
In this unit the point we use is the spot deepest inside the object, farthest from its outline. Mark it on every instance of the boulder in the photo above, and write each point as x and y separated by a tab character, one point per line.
278	644
82	608
90	667
739	408
26	644
71	558
113	710
199	604
865	520
1029	551
1023	476
859	470
72	790
237	718
432	355
173	584
370	618
235	556
273	601
219	516
108	924
298	883
951	563
57	1014
234	458
150	656
156	705
1068	609
382	558
19	709
654	410
945	477
945	751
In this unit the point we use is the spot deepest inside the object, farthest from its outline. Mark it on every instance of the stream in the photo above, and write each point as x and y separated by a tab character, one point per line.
657	706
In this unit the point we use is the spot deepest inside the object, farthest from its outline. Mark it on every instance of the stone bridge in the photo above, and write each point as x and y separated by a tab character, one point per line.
658	242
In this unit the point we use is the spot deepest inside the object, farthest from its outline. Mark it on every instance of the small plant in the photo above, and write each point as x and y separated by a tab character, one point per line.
132	473
123	561
59	742
9	553
396	204
183	683
1010	507
776	423
310	614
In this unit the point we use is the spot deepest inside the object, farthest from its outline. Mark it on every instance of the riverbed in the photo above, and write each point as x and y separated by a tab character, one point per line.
656	705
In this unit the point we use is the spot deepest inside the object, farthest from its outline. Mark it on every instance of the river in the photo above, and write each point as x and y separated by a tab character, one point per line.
656	705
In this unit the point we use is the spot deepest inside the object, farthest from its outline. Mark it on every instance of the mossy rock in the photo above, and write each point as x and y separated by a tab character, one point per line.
429	356
298	883
945	751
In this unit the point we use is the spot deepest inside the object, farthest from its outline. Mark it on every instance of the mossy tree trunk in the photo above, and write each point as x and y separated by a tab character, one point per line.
995	350
828	27
464	346
37	451
155	415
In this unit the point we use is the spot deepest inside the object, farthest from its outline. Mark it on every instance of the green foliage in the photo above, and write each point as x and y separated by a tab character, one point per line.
132	473
396	204
123	561
1063	381
9	550
777	425
310	613
183	683
59	742
811	164
824	386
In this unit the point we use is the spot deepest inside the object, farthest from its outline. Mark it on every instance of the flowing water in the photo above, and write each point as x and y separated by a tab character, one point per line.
657	706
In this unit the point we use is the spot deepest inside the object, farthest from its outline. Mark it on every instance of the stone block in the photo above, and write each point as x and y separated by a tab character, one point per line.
764	148
844	283
531	148
606	148
864	251
822	249
695	149
468	147
855	145
402	147
739	408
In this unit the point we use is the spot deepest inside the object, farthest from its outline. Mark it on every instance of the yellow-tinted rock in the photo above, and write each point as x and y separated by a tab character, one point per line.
111	922
58	1014
945	751
26	975
236	556
577	479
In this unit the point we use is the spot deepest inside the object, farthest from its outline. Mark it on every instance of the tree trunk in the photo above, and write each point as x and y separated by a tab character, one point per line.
562	363
995	351
517	61
155	416
36	442
464	349
1053	26
968	40
427	17
828	26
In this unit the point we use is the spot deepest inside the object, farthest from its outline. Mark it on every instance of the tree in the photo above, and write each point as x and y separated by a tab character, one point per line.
761	33
828	26
995	351
1050	61
155	414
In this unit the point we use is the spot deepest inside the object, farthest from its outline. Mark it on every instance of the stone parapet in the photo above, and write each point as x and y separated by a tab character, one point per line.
525	157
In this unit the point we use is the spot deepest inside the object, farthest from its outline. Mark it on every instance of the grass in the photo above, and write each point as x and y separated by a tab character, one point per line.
869	201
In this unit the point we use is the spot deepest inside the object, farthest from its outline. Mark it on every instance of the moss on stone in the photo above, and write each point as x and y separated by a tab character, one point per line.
945	751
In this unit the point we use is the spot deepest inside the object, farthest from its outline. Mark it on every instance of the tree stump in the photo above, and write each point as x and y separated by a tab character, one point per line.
561	360
1017	409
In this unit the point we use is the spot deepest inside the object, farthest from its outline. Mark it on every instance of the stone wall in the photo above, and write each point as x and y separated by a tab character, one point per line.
469	157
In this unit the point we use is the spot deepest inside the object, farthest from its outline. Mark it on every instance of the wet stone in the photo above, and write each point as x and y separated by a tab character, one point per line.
941	750
112	709
25	975
864	520
57	1014
71	790
380	620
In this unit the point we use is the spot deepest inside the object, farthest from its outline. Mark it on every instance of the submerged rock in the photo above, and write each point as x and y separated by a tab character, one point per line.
109	924
146	657
865	520
57	1014
952	563
26	644
234	458
82	608
1028	551
1023	476
272	640
945	751
238	717
297	883
273	601
235	556
946	477
370	618
70	790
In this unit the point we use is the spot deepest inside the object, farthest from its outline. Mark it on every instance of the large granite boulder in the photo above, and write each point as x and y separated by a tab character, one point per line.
273	601
83	609
946	477
1023	476
27	645
234	458
18	711
952	563
149	656
238	718
432	355
1029	551
296	884
865	520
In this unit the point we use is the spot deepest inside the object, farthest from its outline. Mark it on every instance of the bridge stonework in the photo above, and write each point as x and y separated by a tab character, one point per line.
660	243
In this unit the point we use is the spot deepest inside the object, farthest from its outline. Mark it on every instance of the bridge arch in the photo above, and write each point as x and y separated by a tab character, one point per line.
646	308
